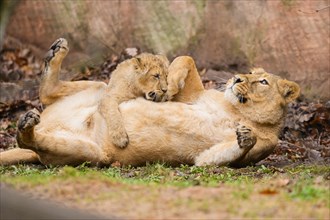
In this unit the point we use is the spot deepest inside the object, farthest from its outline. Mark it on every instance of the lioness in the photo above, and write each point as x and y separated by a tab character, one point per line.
236	127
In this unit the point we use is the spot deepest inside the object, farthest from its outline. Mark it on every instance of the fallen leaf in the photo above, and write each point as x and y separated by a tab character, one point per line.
268	192
116	164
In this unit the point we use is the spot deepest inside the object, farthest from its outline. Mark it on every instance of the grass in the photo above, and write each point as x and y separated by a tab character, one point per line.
183	176
302	187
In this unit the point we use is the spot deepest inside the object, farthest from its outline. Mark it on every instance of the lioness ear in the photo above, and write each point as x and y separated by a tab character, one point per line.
290	90
257	70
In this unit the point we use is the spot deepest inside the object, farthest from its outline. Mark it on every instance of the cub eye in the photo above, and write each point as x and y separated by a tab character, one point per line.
264	82
157	76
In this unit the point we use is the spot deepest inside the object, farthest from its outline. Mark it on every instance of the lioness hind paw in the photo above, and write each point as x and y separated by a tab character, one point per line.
245	137
58	49
28	120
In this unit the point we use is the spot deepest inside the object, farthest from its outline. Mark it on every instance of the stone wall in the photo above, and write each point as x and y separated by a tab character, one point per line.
285	37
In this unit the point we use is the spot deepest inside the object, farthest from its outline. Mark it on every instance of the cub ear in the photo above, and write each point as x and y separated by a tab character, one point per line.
164	59
139	66
137	62
289	90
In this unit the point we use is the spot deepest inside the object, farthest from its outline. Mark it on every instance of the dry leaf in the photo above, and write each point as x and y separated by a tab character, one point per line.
268	191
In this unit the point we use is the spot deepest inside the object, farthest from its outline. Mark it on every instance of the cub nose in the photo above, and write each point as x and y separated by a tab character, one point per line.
152	94
164	90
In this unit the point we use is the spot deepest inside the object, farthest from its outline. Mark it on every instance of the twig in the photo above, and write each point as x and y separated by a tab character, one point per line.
316	11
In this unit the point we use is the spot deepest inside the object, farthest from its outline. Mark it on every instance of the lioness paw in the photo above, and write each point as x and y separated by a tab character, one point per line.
57	51
245	137
28	120
119	138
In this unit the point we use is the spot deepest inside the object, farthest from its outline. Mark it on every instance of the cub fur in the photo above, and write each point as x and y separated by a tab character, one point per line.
237	127
143	75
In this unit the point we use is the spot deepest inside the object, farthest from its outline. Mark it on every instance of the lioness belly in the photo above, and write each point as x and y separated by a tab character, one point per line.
170	132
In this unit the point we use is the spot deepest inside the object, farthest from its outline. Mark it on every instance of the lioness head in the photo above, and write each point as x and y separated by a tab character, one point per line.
152	75
260	96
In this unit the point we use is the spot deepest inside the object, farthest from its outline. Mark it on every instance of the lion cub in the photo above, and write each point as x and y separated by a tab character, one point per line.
144	75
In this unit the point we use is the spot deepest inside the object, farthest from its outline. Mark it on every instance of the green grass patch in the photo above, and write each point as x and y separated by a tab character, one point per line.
260	187
157	173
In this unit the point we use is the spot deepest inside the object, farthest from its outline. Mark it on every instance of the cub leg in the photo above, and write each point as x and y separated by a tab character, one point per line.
228	152
59	148
51	88
184	83
109	109
18	155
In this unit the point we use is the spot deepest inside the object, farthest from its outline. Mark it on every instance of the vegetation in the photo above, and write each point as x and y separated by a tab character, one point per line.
302	187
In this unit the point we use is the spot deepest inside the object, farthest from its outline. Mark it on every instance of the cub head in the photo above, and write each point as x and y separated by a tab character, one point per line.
260	96
152	73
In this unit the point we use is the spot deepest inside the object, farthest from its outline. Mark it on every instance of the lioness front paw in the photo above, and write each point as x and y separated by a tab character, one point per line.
28	120
57	51
245	137
119	138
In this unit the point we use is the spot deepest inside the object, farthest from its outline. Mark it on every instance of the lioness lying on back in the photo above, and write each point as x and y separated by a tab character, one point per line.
143	75
237	127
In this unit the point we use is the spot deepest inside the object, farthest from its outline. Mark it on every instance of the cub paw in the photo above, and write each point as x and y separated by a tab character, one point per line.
245	137
28	120
166	97
120	139
57	51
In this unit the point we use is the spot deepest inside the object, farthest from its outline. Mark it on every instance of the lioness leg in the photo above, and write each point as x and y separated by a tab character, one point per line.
262	149
184	83
57	148
18	155
228	152
51	88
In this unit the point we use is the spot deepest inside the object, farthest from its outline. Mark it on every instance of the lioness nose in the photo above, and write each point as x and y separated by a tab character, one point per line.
237	79
164	90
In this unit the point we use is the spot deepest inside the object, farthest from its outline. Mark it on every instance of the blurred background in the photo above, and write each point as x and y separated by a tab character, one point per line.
285	37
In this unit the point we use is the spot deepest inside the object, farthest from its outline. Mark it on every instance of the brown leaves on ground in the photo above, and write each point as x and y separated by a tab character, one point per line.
305	137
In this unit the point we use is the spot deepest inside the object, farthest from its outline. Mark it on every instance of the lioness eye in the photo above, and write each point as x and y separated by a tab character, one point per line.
264	82
157	76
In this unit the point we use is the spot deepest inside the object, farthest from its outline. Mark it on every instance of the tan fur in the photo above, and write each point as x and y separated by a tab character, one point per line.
144	75
237	127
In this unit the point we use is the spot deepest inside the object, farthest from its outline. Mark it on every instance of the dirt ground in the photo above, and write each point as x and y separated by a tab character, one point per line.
161	192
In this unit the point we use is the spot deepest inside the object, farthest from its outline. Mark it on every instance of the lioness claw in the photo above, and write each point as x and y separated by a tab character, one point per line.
28	120
60	43
245	137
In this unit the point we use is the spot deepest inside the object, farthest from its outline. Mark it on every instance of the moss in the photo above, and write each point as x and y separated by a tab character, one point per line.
200	6
288	3
166	32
